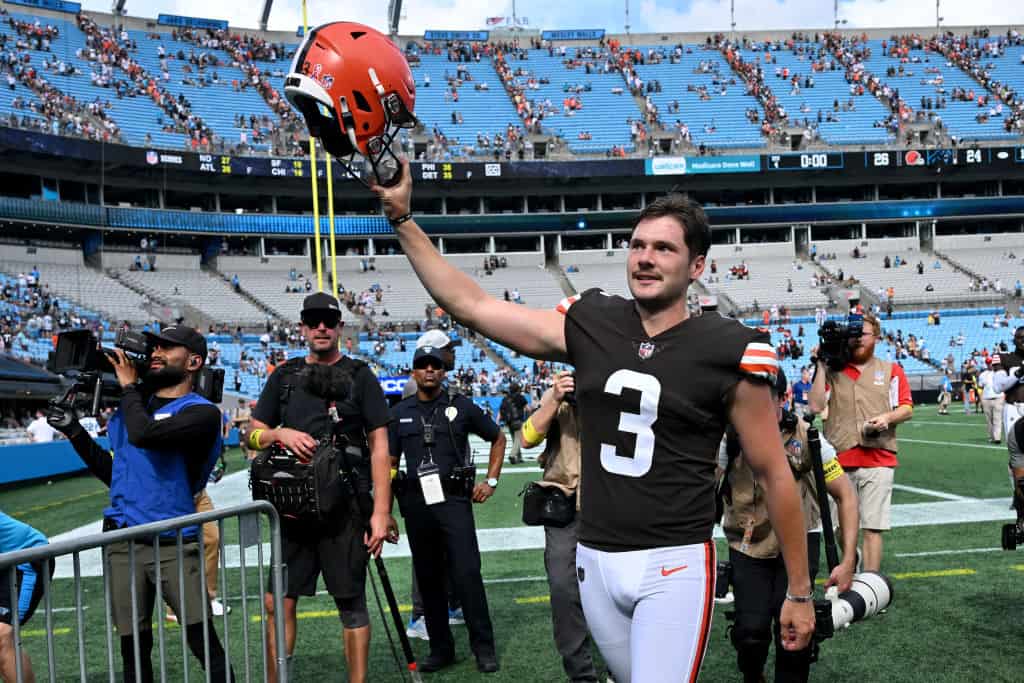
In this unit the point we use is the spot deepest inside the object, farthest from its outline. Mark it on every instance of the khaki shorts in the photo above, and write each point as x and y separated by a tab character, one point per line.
145	584
874	496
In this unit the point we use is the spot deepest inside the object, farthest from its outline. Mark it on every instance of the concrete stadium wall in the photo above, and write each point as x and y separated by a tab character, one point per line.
10	253
232	264
124	259
739	252
25	462
891	245
994	242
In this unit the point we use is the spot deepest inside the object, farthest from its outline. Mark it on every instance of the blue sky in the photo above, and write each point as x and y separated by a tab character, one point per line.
646	16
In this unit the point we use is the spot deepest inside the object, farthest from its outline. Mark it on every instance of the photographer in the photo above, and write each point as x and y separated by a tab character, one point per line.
16	535
758	573
866	399
165	440
296	410
512	412
555	421
432	430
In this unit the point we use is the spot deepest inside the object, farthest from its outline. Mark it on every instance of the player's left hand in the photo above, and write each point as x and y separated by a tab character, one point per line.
380	525
797	624
842	576
397	200
481	492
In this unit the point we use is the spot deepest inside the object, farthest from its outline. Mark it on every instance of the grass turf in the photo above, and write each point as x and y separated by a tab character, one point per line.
949	620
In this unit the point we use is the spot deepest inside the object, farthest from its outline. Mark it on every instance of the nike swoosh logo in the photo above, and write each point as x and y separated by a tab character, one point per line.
670	572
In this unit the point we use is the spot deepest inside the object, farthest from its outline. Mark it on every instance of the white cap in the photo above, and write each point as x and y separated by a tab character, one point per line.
435	338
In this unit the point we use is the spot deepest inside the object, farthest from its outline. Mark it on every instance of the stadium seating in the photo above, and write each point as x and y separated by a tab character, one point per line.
136	116
88	288
959	118
718	122
209	294
772	271
604	114
485	112
590	269
910	287
850	127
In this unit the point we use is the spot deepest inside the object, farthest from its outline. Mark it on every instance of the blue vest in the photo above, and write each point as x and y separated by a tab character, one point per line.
149	485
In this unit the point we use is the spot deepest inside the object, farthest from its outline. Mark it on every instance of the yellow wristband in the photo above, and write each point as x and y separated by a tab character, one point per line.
254	439
833	470
531	437
394	473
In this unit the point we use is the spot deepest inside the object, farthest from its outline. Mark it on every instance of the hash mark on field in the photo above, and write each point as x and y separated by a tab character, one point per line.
56	503
972	425
953	443
930	492
933	574
35	633
1018	567
534	600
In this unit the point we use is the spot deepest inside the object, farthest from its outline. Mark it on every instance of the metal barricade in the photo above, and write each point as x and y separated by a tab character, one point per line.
144	543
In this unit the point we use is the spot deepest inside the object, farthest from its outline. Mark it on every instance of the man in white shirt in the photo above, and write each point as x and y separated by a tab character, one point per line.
39	429
991	405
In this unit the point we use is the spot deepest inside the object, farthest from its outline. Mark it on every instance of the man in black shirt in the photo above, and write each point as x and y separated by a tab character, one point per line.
513	413
165	440
431	429
293	411
655	389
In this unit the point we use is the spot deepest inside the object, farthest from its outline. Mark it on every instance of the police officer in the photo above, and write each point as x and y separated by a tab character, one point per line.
303	401
432	430
758	573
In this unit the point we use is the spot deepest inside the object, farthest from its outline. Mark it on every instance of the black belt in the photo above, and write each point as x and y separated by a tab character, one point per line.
113	525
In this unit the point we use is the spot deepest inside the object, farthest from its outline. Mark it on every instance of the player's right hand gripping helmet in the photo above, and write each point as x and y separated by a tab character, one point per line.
355	90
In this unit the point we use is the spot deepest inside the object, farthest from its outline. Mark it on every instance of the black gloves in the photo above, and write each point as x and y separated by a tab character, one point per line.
1019	371
63	418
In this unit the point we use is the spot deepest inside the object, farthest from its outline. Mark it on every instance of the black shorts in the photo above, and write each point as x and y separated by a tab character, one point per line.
337	551
29	586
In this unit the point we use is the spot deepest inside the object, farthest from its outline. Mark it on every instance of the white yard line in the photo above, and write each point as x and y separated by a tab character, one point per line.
930	492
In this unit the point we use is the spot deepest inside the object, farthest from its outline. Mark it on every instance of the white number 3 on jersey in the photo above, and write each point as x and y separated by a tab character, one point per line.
639	424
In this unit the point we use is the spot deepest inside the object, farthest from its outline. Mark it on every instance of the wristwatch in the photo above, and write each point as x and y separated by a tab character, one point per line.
492	482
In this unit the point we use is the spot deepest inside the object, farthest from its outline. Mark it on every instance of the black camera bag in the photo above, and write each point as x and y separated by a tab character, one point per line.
303	491
547	506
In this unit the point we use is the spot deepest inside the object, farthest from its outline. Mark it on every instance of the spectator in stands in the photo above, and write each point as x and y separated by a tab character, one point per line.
40	430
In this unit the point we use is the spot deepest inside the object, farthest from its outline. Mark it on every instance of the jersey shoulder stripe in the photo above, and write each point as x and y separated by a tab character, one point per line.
565	304
759	361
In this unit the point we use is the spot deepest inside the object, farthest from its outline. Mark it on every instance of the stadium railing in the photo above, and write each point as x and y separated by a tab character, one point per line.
147	535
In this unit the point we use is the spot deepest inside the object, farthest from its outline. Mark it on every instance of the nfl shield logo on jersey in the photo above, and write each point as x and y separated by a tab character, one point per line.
646	350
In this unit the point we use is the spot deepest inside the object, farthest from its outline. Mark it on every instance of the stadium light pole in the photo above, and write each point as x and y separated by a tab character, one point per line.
265	14
732	18
938	14
627	18
117	8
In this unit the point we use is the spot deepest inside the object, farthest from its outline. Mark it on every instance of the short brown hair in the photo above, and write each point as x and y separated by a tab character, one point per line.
689	214
872	319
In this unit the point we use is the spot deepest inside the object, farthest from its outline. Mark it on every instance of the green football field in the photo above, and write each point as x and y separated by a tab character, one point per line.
955	615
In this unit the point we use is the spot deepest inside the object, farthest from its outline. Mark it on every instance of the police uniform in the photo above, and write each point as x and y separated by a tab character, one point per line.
758	573
444	530
333	546
654	410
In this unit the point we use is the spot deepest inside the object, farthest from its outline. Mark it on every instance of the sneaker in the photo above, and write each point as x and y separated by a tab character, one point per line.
455	617
218	608
417	628
727	600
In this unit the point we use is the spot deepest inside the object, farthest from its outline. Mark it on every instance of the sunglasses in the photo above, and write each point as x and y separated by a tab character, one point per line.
425	363
314	320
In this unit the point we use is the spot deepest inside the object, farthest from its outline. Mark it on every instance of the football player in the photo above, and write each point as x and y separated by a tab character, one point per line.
655	388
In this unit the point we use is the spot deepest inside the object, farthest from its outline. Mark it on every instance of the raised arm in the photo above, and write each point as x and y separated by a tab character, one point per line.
531	332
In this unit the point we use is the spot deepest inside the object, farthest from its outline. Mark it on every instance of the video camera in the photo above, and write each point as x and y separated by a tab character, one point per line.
80	358
834	347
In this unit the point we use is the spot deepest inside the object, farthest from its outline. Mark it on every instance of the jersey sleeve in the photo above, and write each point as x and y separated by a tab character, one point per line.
758	360
576	310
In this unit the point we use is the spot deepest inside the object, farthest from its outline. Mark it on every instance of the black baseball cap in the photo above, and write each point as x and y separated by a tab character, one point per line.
321	301
180	335
429	352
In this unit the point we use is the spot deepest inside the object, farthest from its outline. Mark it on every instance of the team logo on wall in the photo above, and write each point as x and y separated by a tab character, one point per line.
913	158
152	158
646	350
